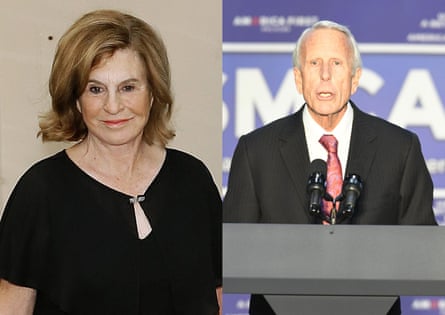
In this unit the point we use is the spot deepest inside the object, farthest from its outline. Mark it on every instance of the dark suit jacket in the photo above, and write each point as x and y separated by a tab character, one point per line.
270	169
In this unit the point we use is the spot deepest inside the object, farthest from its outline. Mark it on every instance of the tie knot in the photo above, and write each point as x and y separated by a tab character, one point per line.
329	142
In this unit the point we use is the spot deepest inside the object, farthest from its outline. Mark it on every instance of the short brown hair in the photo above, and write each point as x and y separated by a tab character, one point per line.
93	37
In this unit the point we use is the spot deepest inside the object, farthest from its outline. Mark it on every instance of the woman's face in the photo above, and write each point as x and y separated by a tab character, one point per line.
116	102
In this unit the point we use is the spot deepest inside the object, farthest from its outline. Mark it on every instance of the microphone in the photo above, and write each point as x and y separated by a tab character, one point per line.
352	187
316	186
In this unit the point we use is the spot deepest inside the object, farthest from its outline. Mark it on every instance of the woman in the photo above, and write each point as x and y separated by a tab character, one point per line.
117	223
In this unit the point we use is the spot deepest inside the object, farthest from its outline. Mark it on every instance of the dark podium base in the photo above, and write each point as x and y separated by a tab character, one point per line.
332	305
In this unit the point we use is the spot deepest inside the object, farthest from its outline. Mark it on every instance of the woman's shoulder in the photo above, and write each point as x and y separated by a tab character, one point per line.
33	186
184	163
183	158
50	160
50	166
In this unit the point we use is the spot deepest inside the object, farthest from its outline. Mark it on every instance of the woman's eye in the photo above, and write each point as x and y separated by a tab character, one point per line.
128	88
95	89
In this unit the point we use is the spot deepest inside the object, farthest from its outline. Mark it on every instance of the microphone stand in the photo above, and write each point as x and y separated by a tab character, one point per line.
334	214
351	191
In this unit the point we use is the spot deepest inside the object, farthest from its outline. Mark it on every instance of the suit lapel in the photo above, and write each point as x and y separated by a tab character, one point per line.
363	145
295	155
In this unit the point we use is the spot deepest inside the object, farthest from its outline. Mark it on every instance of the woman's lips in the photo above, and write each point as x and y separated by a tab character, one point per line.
115	122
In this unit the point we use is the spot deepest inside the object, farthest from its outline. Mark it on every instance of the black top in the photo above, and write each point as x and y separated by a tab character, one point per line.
75	241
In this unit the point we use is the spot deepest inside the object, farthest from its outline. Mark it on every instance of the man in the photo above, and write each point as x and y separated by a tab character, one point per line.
271	165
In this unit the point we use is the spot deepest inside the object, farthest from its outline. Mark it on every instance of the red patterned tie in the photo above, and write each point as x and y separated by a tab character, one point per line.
334	179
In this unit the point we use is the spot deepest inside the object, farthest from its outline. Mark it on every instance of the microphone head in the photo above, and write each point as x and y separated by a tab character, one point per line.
316	181
316	186
318	165
353	182
317	176
352	187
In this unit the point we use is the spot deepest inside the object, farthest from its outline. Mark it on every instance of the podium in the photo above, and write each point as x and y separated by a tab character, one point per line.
333	269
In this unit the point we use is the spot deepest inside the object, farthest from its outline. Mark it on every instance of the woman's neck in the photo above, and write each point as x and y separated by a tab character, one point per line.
129	169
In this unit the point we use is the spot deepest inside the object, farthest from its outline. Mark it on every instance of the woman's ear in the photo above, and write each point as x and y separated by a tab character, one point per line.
78	106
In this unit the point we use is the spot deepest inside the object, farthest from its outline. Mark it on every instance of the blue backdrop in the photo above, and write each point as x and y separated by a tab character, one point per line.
403	51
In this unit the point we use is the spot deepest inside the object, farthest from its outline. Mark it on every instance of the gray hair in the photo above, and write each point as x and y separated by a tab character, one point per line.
356	62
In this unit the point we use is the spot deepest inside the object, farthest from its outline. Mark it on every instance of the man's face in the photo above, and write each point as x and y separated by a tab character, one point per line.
325	78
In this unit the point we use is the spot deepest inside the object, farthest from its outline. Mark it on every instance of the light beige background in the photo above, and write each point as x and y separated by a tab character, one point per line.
192	33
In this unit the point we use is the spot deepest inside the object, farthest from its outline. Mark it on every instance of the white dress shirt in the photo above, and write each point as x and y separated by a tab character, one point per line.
342	132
